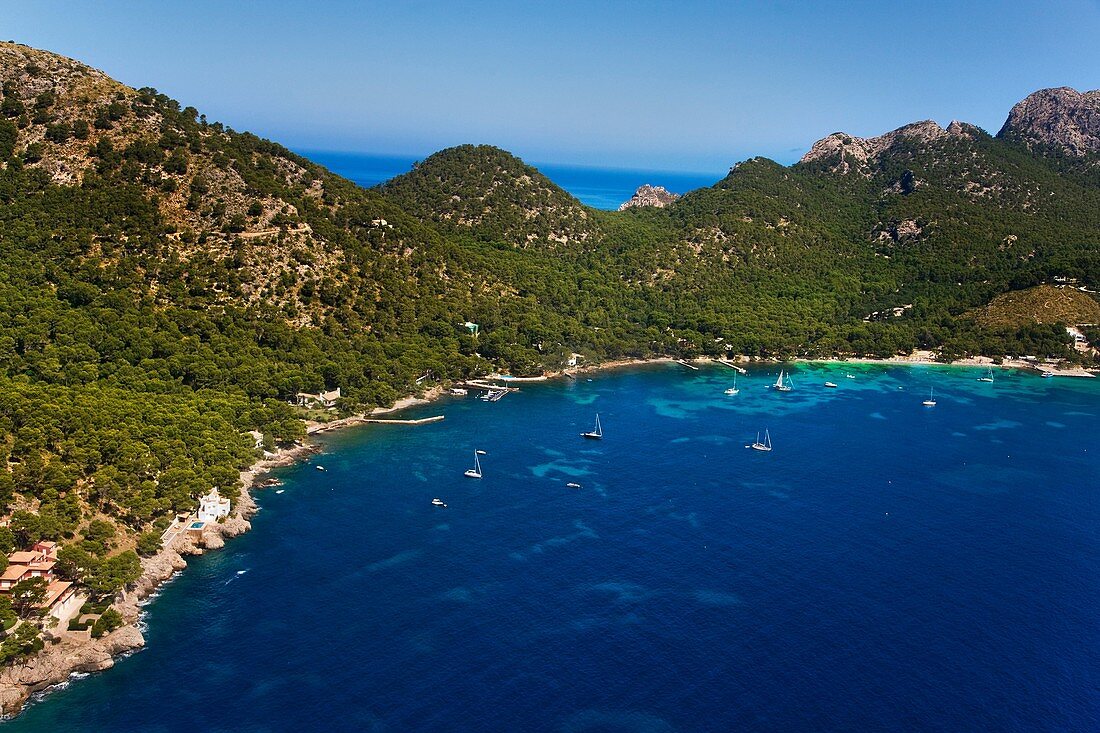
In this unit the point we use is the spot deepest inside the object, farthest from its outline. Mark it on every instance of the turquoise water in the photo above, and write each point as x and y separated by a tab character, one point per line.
602	188
886	567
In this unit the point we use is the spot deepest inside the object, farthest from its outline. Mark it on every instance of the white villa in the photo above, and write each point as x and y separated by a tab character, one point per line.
213	507
324	399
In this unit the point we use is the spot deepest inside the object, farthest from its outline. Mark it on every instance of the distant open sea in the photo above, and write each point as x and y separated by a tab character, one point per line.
601	188
887	567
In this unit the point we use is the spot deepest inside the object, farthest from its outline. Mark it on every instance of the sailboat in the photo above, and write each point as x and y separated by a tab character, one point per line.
597	432
733	389
931	401
988	377
766	445
783	384
475	472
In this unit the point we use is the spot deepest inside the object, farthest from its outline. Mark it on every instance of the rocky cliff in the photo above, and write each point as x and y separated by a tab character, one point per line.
1063	120
656	196
58	661
843	153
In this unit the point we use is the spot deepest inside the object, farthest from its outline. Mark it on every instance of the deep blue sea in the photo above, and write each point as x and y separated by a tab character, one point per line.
887	567
602	188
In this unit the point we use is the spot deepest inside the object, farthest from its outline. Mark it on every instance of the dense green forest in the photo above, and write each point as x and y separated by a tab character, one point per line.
169	284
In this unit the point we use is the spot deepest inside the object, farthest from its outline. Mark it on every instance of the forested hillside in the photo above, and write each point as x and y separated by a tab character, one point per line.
169	283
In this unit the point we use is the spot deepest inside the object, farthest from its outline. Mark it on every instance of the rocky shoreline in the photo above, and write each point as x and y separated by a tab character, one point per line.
77	652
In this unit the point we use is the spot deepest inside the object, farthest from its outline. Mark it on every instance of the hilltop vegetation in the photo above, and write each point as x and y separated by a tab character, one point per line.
1044	304
169	283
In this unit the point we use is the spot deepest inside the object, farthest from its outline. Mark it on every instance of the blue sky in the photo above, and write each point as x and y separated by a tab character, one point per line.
658	85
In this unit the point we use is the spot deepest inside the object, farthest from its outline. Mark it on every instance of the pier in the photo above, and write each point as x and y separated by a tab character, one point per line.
362	419
395	421
733	366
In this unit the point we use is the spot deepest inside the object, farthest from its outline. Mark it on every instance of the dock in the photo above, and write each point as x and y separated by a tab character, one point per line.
361	419
395	421
689	365
481	384
733	366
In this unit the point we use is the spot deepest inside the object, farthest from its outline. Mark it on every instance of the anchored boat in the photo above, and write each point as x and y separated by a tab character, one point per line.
766	445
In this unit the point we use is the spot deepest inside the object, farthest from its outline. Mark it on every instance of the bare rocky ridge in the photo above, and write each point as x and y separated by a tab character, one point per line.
1061	119
844	153
647	195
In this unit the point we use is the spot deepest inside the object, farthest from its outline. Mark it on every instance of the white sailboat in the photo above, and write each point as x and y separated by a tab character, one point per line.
439	502
931	401
764	446
988	377
475	472
783	384
595	433
733	389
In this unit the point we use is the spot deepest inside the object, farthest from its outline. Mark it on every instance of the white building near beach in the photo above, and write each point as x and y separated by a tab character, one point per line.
213	506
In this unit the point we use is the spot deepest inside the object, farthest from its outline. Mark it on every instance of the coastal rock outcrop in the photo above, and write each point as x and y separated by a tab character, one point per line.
647	195
58	661
1063	119
843	153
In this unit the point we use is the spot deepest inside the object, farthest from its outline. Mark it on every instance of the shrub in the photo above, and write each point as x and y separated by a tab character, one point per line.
106	623
148	544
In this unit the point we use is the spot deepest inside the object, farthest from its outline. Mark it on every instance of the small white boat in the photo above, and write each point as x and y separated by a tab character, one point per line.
849	376
831	385
280	491
931	401
459	391
766	445
573	485
438	502
1046	374
783	384
319	467
475	472
733	389
988	377
595	433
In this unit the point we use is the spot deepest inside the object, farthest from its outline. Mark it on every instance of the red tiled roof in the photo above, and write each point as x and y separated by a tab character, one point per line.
54	591
14	572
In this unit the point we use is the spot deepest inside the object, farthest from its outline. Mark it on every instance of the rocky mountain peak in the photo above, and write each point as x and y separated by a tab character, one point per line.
1062	119
647	195
845	153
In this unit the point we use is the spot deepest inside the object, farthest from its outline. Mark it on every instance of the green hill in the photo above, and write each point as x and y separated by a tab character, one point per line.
492	194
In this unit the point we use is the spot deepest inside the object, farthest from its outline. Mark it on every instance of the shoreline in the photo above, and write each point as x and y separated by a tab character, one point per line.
77	653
